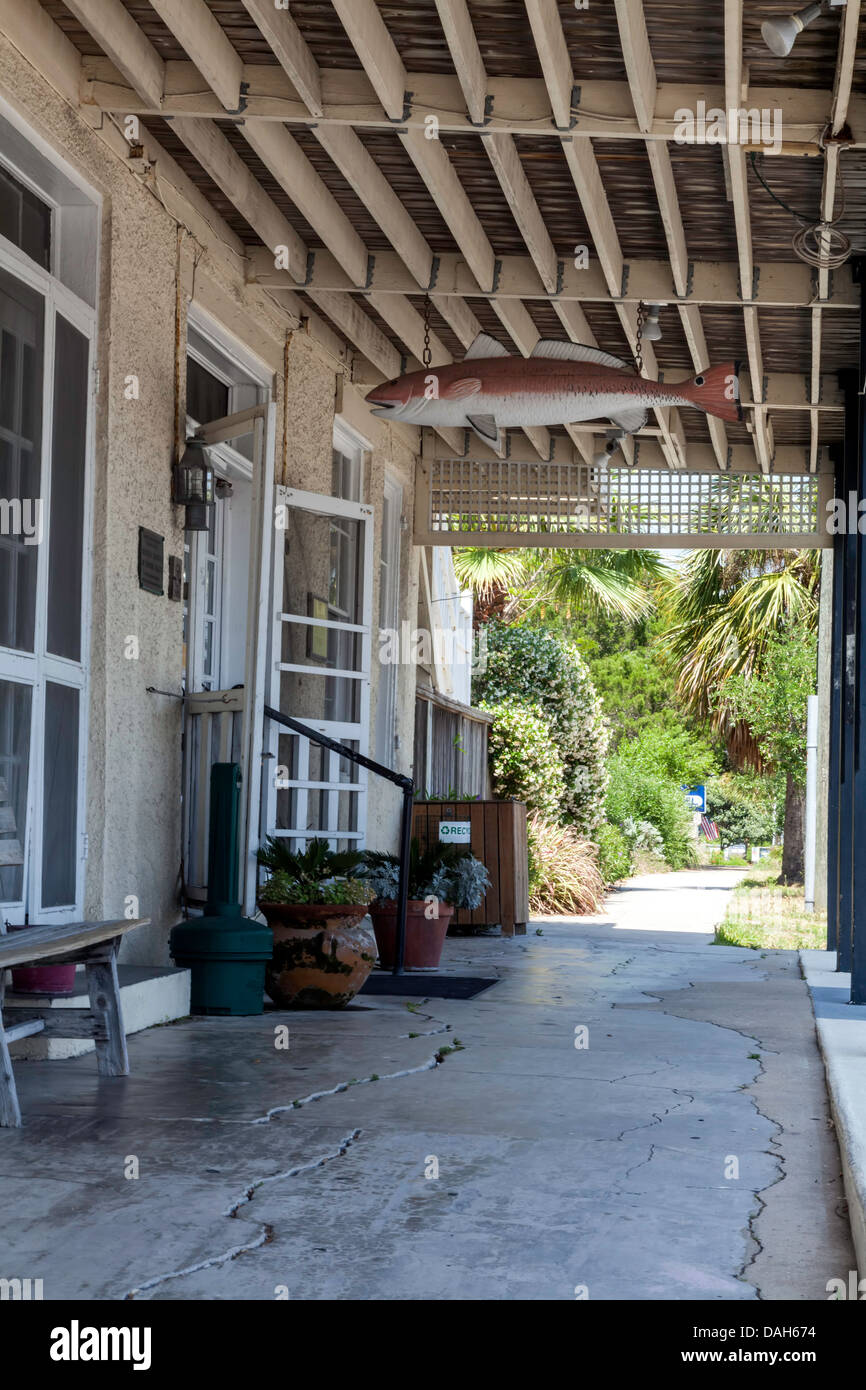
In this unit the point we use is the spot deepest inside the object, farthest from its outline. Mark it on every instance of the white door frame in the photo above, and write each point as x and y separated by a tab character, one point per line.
259	420
343	731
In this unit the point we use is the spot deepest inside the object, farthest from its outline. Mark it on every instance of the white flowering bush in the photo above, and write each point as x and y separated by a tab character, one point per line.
524	761
543	671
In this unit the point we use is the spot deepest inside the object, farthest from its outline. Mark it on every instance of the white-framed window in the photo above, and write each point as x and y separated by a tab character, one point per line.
347	474
49	227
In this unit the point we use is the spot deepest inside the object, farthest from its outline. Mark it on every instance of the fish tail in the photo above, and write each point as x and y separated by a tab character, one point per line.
717	391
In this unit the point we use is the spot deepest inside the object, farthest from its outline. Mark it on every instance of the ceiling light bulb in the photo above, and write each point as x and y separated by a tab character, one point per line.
779	34
603	459
652	329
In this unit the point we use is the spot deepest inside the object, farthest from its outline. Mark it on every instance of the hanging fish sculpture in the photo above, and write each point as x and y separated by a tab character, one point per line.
560	384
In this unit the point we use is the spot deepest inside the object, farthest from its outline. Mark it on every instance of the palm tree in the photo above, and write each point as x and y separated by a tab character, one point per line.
724	606
511	582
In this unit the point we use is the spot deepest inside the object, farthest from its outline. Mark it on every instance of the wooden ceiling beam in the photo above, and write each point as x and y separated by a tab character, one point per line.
468	63
736	91
848	32
290	49
517	105
640	68
378	54
205	42
781	284
283	157
126	44
370	39
639	65
546	24
504	157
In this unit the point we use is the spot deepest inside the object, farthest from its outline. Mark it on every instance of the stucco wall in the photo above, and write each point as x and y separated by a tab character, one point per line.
134	740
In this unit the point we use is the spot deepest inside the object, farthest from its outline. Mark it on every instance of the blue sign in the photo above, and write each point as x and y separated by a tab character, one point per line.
697	798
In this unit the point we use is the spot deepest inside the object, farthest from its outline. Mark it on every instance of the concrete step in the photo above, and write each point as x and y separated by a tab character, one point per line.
149	994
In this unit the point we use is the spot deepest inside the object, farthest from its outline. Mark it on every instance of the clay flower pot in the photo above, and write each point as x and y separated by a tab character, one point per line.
425	936
323	953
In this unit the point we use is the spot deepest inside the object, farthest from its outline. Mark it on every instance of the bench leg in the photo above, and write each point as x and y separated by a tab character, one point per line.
10	1110
102	986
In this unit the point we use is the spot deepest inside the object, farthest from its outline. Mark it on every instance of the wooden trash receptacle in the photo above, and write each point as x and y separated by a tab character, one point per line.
497	836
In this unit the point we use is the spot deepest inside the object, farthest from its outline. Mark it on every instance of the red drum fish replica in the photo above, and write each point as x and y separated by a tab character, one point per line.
560	384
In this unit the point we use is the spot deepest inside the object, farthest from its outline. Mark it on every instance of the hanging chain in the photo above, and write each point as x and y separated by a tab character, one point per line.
427	354
638	352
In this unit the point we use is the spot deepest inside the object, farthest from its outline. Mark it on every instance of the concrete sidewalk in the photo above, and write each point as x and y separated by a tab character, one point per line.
684	1153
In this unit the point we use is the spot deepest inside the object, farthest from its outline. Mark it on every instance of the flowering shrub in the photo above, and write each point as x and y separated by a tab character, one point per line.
524	761
546	672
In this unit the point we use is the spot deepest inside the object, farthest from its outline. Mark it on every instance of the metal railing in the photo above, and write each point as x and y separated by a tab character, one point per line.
407	787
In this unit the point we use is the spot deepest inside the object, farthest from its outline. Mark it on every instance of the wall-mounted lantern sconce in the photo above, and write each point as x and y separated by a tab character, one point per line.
194	486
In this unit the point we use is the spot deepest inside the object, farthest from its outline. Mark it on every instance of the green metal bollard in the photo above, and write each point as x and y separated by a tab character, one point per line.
224	951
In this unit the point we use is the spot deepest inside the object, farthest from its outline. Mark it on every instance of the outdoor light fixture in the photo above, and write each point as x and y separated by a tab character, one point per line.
652	329
193	485
603	459
779	34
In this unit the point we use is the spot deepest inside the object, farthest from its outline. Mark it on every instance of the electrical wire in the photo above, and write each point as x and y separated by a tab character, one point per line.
818	243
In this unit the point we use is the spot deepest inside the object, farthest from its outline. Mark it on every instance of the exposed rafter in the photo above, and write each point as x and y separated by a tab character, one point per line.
549	38
505	159
375	48
848	31
736	90
644	85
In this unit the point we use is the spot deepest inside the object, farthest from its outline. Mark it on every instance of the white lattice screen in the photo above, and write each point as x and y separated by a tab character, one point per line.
506	502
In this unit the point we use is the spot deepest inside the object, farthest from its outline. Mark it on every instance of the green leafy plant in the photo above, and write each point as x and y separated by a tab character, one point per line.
614	853
543	670
636	794
450	873
316	874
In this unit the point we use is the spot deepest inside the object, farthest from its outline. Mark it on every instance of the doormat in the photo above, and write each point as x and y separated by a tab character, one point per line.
427	986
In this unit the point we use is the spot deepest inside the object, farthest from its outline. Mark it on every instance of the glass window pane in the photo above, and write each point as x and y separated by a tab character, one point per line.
22	315
60	796
207	398
25	220
15	701
68	460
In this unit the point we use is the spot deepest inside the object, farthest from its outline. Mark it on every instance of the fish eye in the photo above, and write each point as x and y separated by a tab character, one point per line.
699	381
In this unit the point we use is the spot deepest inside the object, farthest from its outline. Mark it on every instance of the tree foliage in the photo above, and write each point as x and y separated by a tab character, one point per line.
537	668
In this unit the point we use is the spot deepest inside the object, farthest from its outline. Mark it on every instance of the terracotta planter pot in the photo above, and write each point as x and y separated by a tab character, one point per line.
425	936
323	953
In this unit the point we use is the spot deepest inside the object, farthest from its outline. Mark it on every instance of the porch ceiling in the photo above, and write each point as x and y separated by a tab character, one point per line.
305	127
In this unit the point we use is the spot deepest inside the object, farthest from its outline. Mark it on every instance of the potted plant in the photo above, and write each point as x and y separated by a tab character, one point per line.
441	878
316	907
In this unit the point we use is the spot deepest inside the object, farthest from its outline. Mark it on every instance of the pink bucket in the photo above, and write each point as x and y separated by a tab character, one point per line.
42	979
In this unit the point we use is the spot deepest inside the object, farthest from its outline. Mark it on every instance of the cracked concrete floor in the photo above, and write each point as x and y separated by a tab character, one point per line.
684	1153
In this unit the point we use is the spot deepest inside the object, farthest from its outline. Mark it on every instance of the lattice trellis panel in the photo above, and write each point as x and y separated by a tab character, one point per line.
508	503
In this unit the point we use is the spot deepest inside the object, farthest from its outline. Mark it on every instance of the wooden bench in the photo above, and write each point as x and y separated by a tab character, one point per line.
95	945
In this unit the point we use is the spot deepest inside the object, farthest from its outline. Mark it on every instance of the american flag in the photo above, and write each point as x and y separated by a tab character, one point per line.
709	827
